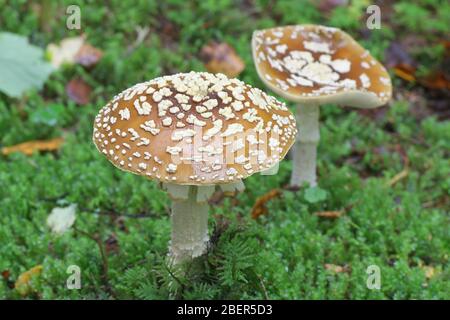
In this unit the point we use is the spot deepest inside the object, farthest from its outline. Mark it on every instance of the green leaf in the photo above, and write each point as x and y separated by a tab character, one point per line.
22	66
314	195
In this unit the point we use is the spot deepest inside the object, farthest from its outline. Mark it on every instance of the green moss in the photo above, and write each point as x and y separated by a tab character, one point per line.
400	228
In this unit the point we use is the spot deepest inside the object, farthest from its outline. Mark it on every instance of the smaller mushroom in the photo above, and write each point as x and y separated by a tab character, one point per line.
194	132
315	65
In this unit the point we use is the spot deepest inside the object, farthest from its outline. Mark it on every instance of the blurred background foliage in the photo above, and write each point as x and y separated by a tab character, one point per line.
384	174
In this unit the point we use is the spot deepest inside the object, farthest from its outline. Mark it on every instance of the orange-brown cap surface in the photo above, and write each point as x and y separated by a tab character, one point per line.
194	129
317	64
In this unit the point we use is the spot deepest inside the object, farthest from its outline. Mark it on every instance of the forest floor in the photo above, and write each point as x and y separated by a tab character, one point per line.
384	174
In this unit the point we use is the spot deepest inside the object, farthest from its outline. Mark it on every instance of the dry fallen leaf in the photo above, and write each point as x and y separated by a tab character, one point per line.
399	59
326	6
429	271
61	219
37	145
88	55
74	50
66	51
79	91
405	67
5	274
405	73
437	80
399	176
22	284
336	268
260	204
222	58
330	214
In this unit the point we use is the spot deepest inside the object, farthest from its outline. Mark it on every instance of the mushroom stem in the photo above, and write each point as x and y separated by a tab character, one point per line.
189	227
305	148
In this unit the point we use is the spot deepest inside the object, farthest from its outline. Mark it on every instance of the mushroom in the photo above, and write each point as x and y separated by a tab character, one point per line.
194	132
314	65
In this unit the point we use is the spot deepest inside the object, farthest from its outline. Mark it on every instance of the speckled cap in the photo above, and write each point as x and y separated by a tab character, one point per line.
194	129
317	64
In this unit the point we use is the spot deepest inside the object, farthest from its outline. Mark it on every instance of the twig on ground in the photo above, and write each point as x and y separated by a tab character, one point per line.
436	203
105	264
113	212
399	176
263	287
142	33
109	211
259	208
173	275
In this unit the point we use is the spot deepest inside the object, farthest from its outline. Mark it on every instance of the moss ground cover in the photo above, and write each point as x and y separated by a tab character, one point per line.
399	223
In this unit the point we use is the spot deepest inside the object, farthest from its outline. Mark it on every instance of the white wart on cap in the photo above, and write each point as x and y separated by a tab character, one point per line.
194	129
317	64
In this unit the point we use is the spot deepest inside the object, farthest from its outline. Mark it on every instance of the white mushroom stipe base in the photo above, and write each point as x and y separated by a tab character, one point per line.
189	216
305	148
189	227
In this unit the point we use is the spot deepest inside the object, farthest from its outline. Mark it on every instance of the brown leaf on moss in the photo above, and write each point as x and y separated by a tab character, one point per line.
327	6
6	274
436	81
222	58
260	208
74	50
22	284
406	72
88	55
31	146
429	271
399	59
112	244
330	214
78	91
65	51
336	268
405	67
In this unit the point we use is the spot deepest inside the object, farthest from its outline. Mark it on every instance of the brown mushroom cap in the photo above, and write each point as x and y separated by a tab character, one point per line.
194	129
317	64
